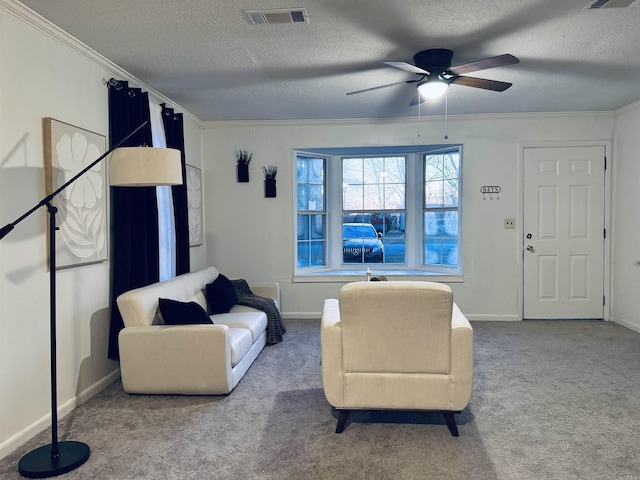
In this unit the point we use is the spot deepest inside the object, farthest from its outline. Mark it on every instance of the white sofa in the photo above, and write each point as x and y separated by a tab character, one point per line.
188	359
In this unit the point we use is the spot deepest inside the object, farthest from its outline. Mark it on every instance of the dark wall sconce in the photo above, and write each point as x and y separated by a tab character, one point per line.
243	159
270	181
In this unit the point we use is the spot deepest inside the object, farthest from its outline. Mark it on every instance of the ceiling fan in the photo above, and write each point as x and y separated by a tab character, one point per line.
435	73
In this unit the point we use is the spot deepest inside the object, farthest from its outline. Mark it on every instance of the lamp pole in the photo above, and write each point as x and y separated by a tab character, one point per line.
55	458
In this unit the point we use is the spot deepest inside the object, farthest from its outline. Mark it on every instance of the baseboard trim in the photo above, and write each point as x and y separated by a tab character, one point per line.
625	323
301	315
484	317
14	442
472	317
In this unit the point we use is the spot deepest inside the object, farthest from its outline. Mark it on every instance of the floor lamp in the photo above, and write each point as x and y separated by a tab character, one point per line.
128	166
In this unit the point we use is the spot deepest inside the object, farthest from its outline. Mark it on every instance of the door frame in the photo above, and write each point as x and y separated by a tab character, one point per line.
607	213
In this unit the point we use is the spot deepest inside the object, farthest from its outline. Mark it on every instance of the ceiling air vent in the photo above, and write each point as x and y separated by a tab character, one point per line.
261	17
613	4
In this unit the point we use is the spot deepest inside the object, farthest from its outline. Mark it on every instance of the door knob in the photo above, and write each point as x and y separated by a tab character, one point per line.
529	236
530	248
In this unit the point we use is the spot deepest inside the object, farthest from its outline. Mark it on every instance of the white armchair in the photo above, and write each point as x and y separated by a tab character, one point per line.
396	346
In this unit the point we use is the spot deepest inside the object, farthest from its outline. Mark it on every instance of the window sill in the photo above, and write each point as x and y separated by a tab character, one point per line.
345	276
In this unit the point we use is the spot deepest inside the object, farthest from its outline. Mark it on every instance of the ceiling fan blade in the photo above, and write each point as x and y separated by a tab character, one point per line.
381	86
481	83
493	62
407	67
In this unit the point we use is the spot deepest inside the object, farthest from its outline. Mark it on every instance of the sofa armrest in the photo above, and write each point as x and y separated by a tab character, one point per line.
331	348
269	289
461	360
190	359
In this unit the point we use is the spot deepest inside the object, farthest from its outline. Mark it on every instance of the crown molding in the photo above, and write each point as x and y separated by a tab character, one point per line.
44	26
398	120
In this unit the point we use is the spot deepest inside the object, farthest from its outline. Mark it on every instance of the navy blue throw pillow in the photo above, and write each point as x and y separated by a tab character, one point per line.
221	295
182	313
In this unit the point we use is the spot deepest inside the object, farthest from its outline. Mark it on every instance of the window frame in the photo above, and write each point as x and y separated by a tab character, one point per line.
457	269
414	208
319	268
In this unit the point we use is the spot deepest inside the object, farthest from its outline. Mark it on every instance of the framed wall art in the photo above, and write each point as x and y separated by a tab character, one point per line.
82	235
194	200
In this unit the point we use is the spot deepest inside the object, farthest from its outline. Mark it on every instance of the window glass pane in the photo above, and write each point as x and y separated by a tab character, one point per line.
361	243
450	193
450	165
441	238
317	227
316	197
433	168
394	238
394	196
303	170
303	199
432	251
434	193
317	254
352	171
316	171
303	227
352	197
395	170
373	169
303	254
373	196
433	222
450	252
450	224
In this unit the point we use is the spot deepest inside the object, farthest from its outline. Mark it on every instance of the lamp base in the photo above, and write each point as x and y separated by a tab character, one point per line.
39	464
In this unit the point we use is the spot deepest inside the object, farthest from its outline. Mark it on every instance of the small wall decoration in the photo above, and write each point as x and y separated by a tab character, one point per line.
243	159
194	200
270	180
490	190
82	206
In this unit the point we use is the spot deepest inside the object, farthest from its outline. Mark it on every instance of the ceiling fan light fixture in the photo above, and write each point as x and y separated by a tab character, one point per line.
433	88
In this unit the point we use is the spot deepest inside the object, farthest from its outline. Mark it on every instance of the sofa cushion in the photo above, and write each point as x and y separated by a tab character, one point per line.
182	313
221	295
245	317
241	342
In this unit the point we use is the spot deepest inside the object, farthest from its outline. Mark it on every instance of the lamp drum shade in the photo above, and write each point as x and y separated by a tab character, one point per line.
145	166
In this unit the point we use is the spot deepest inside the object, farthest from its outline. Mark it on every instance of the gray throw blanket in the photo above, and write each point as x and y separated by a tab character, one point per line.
275	327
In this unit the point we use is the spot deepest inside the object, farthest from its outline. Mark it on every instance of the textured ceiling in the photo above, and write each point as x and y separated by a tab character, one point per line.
208	57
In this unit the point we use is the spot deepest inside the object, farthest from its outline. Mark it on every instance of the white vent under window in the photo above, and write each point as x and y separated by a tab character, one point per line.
598	4
264	17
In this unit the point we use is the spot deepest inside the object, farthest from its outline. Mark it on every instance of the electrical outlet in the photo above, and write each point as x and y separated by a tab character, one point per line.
509	223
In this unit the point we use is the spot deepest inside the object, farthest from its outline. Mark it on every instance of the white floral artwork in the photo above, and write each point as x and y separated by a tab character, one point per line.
194	199
82	206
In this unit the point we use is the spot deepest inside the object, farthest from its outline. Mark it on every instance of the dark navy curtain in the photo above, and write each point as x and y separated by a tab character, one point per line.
134	210
174	133
135	251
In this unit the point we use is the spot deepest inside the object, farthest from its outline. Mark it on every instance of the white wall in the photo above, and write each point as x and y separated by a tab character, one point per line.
626	230
252	237
44	73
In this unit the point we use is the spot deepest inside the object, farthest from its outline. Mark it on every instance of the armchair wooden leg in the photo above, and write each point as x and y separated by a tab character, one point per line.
451	423
342	420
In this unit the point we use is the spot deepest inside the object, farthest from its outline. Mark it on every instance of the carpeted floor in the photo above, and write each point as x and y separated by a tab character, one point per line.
551	400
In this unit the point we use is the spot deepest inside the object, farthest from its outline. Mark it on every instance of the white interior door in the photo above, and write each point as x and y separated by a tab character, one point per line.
564	232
